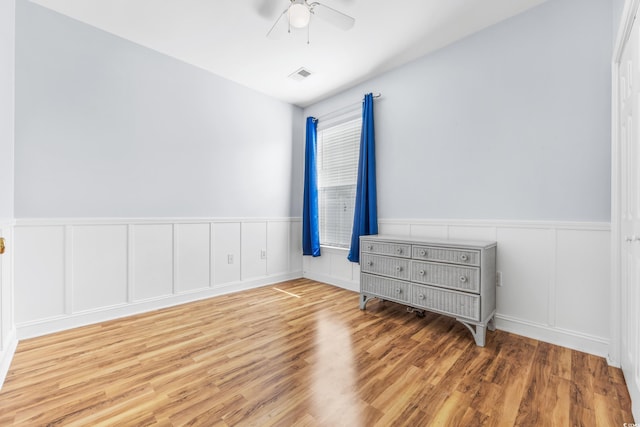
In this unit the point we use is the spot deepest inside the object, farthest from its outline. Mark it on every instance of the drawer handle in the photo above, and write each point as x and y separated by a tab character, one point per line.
369	263
398	291
370	247
398	268
421	272
423	252
464	257
399	251
463	279
421	296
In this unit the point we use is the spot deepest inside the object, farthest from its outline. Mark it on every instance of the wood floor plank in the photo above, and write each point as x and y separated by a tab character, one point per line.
301	353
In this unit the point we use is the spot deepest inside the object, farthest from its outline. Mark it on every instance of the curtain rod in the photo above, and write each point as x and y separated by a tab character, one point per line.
344	109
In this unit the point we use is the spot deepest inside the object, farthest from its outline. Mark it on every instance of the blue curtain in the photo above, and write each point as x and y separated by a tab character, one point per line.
310	229
365	218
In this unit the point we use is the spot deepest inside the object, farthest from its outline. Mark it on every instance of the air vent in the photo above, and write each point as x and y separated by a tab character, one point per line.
300	74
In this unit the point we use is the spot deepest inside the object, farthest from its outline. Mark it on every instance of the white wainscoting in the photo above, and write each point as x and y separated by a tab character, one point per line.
8	337
555	275
72	272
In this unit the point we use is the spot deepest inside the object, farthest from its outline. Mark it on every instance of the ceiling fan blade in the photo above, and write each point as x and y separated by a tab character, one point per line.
332	16
279	27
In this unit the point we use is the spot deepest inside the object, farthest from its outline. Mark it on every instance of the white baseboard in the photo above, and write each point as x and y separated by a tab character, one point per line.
635	402
336	281
565	338
7	355
103	314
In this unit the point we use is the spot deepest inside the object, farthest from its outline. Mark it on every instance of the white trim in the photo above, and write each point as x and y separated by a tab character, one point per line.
6	356
341	283
624	30
552	284
211	245
35	222
558	225
59	318
334	249
8	337
130	263
7	222
558	336
615	325
547	224
174	259
59	323
68	269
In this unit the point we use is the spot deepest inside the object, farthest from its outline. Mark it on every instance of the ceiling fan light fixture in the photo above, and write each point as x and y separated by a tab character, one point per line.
299	15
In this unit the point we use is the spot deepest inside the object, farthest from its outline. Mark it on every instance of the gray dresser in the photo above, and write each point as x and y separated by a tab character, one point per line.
454	278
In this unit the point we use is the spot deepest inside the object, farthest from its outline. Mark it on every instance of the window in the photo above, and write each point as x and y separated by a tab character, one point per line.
337	161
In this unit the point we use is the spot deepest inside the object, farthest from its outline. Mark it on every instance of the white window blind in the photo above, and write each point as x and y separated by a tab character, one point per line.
338	149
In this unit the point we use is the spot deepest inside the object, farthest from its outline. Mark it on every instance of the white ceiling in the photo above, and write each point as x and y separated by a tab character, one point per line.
229	39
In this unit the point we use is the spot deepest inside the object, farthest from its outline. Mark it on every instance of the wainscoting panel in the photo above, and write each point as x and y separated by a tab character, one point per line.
333	267
525	258
192	257
465	232
151	261
576	272
295	243
8	337
72	272
254	250
226	252
555	275
394	229
277	247
98	266
39	292
436	231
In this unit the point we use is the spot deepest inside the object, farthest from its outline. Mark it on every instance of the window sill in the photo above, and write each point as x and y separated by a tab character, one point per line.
334	249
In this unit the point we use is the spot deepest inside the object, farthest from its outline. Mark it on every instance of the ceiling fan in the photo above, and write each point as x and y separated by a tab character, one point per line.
298	15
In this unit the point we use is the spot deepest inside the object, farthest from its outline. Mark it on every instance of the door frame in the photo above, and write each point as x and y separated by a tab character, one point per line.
615	355
624	31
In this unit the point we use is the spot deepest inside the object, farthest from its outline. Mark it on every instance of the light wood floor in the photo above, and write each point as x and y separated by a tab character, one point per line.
301	353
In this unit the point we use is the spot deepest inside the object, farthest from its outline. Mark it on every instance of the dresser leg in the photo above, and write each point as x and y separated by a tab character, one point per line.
492	323
480	335
363	301
478	331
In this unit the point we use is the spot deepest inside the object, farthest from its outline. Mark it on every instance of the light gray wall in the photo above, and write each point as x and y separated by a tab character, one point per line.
107	128
297	160
510	123
7	62
618	7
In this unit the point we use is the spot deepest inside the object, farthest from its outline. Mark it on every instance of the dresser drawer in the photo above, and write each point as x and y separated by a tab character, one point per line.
453	256
449	302
450	276
384	248
387	266
384	288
